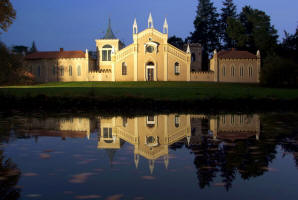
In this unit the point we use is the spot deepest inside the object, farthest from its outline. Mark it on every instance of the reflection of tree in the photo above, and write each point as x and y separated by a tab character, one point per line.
249	158
9	177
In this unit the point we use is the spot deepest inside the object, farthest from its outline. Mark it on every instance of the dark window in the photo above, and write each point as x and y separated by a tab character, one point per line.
124	69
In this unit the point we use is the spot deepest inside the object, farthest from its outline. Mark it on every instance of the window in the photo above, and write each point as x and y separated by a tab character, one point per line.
177	121
150	140
224	71
233	71
106	53
54	70
223	119
79	70
107	133
232	119
61	71
124	69
241	71
250	72
70	70
193	57
150	121
149	49
177	68
241	119
39	71
124	121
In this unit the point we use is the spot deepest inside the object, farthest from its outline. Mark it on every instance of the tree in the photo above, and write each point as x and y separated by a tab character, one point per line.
176	41
207	29
260	34
7	14
235	33
20	49
227	12
289	47
33	48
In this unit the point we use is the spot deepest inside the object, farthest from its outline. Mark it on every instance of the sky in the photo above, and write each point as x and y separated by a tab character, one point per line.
75	24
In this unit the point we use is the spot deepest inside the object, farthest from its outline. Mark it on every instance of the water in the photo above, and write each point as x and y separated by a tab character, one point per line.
227	156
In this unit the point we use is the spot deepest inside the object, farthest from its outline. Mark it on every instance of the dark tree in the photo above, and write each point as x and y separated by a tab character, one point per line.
207	29
228	11
176	41
33	48
260	34
288	48
20	49
7	14
236	33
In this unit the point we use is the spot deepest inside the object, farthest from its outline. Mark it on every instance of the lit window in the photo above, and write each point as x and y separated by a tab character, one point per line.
61	71
241	71
232	119
233	71
124	69
177	68
107	133
177	121
70	70
250	71
124	122
150	121
79	70
106	53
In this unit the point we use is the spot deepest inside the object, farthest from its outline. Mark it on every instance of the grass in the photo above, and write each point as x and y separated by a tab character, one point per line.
173	91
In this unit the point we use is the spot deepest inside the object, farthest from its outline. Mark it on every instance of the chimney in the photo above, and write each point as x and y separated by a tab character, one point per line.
61	49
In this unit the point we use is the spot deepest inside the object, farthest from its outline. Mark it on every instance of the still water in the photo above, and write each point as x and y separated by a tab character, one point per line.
174	156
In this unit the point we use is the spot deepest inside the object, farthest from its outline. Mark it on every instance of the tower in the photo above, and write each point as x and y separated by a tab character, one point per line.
135	27
195	49
150	21
165	27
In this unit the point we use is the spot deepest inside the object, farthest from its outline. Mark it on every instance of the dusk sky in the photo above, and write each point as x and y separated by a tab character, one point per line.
75	24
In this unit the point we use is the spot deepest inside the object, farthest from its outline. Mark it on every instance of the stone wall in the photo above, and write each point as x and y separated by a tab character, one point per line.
202	76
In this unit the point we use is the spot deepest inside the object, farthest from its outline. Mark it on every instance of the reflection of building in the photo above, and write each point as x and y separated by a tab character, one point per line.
150	136
52	127
234	127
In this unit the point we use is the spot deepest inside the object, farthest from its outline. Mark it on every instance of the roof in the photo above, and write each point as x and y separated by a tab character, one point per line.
55	55
236	54
109	34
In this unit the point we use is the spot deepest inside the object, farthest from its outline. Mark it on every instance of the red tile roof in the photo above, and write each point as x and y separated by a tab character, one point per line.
55	55
235	54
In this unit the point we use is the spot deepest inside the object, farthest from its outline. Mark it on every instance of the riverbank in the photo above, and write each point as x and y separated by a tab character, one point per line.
152	96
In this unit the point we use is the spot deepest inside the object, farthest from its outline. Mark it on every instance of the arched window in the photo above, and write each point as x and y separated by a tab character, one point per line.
241	71
177	68
124	69
107	52
224	70
250	72
70	70
124	121
61	71
79	70
150	121
233	71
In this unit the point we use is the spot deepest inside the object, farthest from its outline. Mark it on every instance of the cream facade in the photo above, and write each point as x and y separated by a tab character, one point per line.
149	58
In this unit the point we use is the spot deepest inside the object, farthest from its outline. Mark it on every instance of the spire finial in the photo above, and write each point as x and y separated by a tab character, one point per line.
150	21
165	27
135	26
109	34
188	49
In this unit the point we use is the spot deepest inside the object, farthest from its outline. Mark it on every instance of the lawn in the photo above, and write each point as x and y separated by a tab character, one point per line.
152	90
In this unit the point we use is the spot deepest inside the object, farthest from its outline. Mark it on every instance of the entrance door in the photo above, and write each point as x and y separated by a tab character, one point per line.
150	74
